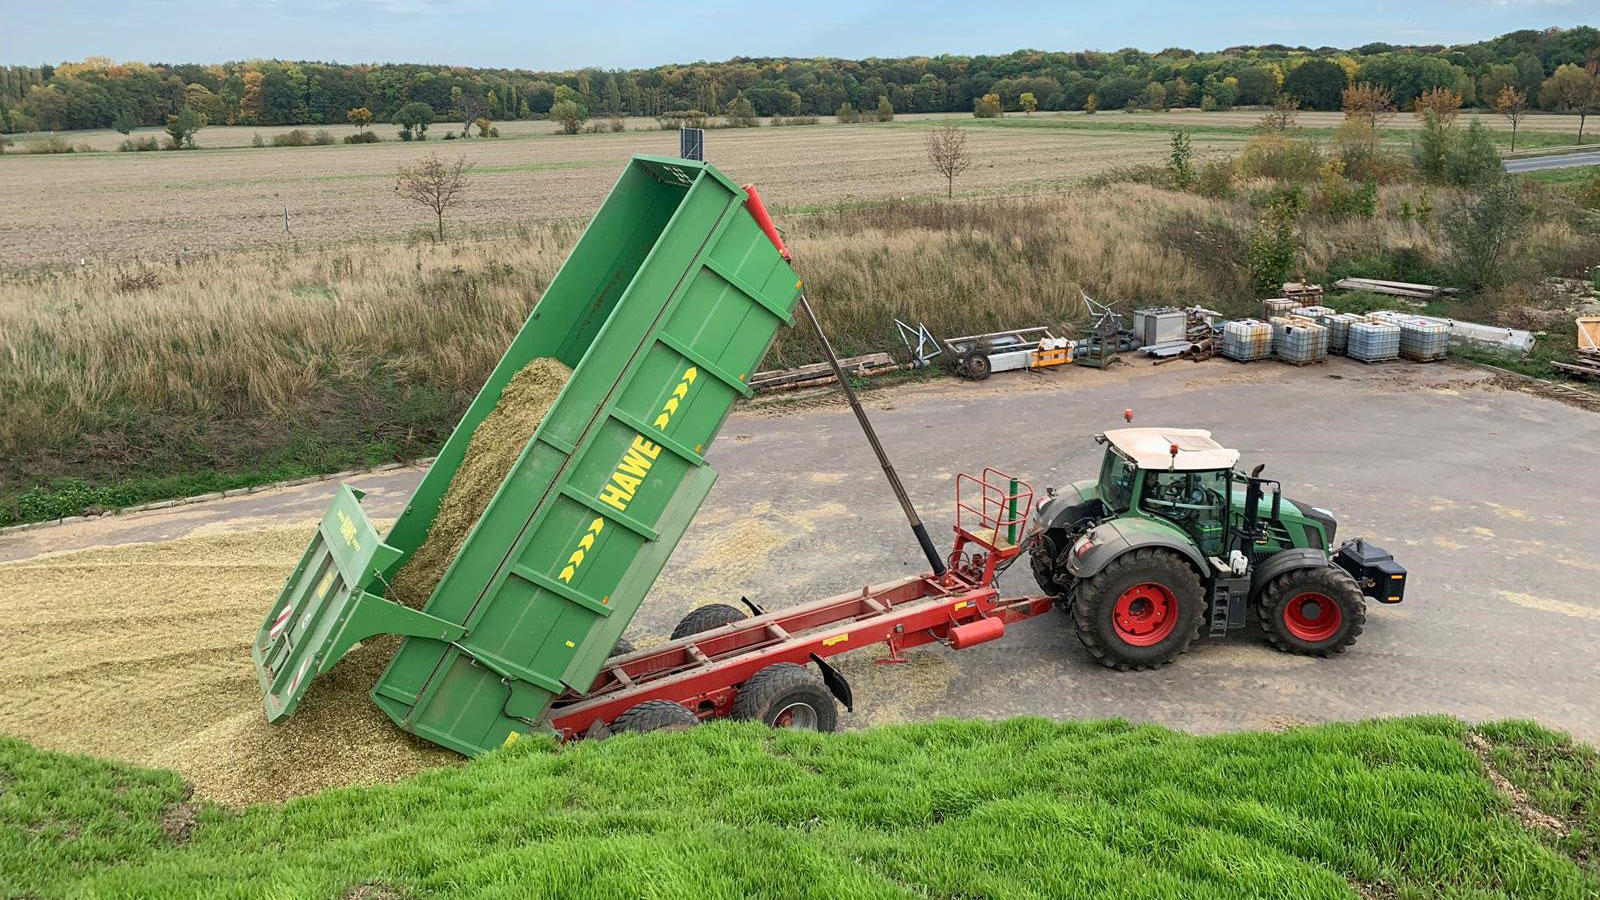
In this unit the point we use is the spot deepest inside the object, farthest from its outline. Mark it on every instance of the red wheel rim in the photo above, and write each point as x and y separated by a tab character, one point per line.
1312	617
1145	614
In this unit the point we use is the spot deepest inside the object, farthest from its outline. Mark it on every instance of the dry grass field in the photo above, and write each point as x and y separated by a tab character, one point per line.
118	206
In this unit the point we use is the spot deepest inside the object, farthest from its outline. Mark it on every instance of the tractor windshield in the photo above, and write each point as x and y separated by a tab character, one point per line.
1117	474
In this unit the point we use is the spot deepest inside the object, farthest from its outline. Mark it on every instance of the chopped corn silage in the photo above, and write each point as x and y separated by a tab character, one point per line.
491	453
142	653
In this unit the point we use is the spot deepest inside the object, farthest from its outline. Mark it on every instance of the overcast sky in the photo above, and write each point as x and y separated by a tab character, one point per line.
540	35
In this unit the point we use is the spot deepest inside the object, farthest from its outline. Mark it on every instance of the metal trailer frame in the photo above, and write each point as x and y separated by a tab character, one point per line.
960	609
1007	351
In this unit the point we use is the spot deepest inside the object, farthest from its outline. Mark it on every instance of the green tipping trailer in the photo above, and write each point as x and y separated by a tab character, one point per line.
662	310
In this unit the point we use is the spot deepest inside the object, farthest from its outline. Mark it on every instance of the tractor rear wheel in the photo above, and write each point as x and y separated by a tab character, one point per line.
1140	611
787	695
1315	611
655	715
705	618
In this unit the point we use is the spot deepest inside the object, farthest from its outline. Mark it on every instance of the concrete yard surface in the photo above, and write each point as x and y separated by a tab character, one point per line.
1479	490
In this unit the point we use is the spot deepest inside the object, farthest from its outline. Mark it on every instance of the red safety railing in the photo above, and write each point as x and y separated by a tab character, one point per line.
992	512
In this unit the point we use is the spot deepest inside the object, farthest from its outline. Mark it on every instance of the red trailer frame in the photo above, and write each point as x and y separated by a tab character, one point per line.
961	608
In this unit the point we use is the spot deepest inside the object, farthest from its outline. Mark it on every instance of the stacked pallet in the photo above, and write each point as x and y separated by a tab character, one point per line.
1302	293
1588	362
820	373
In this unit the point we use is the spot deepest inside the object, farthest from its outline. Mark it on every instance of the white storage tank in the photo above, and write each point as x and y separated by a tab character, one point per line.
1298	340
1374	340
1247	340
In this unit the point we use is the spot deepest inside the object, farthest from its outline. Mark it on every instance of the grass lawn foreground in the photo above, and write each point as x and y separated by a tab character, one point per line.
952	809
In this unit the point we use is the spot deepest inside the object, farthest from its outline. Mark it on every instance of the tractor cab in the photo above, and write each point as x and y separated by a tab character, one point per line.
1178	476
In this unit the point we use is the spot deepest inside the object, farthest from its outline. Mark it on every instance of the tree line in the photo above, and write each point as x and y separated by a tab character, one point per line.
101	93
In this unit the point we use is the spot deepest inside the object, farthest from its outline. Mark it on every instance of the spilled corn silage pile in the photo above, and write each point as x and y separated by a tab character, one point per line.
142	652
491	453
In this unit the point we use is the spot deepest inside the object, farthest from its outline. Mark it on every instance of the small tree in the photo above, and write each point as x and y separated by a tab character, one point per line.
414	119
1180	163
360	117
1028	102
181	128
885	109
1282	117
1275	243
987	106
741	113
1485	234
1374	105
947	152
483	125
126	121
1513	104
1572	89
1443	102
434	184
569	115
847	113
1090	104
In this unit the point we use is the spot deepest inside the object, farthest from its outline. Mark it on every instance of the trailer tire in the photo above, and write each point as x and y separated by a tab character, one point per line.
975	365
655	715
622	647
787	695
705	618
1140	611
1337	611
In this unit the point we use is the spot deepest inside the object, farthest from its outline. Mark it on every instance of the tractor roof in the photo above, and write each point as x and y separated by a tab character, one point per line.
1151	448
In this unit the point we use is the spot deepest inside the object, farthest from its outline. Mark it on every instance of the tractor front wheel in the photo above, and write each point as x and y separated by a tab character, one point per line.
1140	611
1314	611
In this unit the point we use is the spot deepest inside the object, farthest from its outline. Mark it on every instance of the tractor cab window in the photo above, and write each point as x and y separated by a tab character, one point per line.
1117	474
1194	501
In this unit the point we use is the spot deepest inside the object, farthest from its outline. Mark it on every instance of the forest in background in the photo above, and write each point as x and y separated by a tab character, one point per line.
101	93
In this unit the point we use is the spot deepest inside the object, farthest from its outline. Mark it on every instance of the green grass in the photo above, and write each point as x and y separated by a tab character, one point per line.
1568	177
1022	808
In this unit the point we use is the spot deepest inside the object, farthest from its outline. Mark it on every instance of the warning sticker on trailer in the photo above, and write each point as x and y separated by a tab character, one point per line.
836	639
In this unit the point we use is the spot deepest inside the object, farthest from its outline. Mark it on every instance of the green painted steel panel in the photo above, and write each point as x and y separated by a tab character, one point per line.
663	309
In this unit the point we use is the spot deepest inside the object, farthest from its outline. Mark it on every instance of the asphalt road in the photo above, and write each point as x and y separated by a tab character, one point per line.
1565	161
1482	493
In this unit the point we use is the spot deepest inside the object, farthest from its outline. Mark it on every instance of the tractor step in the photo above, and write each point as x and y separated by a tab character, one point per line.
1229	604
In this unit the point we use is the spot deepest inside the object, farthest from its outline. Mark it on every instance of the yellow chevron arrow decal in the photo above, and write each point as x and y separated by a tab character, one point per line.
567	573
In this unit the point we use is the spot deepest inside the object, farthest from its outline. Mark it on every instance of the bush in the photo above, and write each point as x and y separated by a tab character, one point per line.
55	143
494	131
1485	234
987	106
616	123
362	137
778	121
139	144
1473	159
1587	194
1275	243
322	138
1215	180
682	118
295	138
847	113
256	141
1278	156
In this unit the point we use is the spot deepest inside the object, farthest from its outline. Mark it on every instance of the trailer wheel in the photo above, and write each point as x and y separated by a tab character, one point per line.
1316	611
705	618
655	715
622	646
787	695
976	365
1140	611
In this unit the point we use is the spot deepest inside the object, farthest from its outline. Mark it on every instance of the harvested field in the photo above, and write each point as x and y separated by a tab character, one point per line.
491	453
161	204
142	653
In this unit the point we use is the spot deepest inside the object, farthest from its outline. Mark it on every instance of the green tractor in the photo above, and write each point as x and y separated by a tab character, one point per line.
1171	538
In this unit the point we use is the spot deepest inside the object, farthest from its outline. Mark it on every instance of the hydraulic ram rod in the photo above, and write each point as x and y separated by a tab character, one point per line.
917	527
